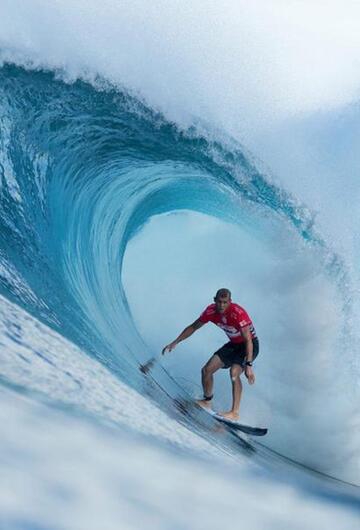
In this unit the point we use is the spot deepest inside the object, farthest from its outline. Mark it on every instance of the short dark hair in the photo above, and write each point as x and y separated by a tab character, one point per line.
223	293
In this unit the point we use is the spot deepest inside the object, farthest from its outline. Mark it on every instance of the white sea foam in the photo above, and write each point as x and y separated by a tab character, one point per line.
104	462
243	65
39	359
70	473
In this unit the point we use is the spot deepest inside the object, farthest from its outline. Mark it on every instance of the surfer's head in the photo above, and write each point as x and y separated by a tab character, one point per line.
222	300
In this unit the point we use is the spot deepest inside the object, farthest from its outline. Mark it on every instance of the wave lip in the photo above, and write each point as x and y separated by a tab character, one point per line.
228	66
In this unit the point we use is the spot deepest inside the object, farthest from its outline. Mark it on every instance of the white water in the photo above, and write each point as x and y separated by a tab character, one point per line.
238	63
61	469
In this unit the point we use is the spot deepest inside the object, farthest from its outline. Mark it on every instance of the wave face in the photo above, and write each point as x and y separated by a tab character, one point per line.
83	170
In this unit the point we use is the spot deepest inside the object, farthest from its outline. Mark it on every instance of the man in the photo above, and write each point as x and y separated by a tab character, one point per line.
238	354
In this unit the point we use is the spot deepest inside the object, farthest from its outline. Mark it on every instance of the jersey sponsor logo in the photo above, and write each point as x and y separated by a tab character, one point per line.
232	335
231	331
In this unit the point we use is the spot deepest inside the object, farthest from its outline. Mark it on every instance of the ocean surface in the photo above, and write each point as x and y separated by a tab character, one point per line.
149	155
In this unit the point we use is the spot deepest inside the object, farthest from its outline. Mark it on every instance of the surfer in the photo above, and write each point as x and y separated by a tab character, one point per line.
238	354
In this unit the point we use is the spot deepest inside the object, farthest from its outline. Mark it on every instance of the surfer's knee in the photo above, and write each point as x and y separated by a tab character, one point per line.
205	370
235	372
208	369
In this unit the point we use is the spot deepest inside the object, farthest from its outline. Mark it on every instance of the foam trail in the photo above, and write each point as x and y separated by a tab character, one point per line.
115	487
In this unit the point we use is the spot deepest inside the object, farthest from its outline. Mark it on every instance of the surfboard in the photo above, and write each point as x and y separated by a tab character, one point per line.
247	429
236	426
185	406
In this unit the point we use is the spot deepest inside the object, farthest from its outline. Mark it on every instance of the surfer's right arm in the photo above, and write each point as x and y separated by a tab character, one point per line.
186	333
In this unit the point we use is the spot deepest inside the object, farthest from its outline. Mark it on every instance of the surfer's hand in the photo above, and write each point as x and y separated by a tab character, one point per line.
168	348
250	375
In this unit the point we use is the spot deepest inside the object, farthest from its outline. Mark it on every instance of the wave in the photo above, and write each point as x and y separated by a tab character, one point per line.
83	170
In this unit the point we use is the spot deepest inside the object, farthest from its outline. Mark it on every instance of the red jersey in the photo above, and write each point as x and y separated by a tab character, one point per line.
231	321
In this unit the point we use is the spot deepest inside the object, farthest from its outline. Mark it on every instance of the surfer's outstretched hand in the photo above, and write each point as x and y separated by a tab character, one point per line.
168	348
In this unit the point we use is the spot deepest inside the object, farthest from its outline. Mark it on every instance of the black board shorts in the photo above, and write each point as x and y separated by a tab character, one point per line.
232	353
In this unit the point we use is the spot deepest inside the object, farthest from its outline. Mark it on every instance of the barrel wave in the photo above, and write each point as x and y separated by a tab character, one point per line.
84	169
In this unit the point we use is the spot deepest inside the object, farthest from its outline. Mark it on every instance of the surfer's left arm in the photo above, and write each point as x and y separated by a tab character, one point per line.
246	333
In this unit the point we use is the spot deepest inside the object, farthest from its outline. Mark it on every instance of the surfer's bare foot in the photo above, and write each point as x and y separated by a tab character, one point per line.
204	403
231	415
